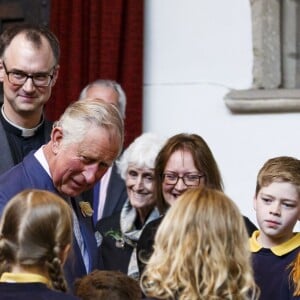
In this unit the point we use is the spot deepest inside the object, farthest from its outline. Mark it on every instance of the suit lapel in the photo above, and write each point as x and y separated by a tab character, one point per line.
87	232
115	190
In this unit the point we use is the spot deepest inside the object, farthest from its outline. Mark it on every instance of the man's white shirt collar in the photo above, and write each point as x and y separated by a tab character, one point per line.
40	156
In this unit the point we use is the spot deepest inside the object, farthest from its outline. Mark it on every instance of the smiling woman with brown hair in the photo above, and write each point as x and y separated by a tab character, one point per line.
184	162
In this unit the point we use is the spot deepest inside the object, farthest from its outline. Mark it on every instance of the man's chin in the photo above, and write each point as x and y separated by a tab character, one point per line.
70	192
27	110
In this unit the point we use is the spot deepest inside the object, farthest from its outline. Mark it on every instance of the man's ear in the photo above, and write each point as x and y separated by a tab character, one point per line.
2	71
56	138
55	75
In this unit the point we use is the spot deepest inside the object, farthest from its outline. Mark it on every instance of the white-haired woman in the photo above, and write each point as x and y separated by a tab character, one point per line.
121	231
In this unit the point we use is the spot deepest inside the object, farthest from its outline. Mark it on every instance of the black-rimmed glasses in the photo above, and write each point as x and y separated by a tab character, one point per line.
189	179
17	77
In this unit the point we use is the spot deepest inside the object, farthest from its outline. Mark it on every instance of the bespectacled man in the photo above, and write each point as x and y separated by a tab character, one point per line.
29	64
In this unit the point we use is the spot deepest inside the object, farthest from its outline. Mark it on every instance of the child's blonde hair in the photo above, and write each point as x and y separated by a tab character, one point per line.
295	275
201	251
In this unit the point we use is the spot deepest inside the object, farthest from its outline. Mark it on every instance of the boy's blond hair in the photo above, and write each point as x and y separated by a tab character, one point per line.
279	169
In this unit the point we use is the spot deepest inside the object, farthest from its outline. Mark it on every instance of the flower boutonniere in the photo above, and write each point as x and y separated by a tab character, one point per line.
117	236
86	208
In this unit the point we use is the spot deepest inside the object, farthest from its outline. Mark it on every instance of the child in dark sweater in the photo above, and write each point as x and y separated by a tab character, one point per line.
275	246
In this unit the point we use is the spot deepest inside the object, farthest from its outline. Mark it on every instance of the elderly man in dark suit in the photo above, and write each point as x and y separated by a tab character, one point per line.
84	143
109	194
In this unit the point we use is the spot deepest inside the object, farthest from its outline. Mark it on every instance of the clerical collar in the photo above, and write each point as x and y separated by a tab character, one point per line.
25	132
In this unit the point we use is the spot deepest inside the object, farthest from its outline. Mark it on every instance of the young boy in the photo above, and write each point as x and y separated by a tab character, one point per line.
277	206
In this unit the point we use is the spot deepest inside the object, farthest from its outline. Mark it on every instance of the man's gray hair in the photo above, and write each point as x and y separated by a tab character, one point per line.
80	116
110	84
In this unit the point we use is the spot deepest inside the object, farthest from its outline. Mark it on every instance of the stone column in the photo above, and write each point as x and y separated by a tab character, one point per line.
266	43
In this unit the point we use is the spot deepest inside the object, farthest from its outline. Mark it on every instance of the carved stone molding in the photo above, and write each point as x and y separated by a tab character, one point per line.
276	60
263	100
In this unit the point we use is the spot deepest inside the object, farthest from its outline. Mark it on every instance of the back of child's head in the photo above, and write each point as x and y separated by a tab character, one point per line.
112	285
36	226
279	169
214	210
200	250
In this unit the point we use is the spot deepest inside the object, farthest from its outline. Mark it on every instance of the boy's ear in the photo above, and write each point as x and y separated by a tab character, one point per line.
254	202
298	219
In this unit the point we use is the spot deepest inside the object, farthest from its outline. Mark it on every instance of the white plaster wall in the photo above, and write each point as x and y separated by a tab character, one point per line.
195	52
